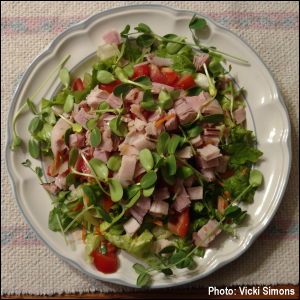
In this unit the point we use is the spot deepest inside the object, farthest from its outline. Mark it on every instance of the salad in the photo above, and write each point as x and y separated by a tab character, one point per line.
150	153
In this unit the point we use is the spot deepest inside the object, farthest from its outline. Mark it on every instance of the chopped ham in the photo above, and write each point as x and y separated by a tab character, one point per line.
77	140
185	152
157	87
58	109
75	109
211	132
88	151
214	139
239	115
159	208
155	116
152	131
126	171
60	181
57	133
64	167
128	150
209	152
72	188
212	108
131	137
107	120
114	102
61	146
96	96
195	193
185	113
161	194
223	161
139	97
138	170
188	182
131	226
160	244
209	174
82	104
131	96
206	164
197	141
182	200
196	239
194	102
136	109
224	82
101	120
112	37
82	117
88	138
206	229
178	102
139	124
109	142
142	143
52	188
140	208
171	124
199	61
102	155
160	62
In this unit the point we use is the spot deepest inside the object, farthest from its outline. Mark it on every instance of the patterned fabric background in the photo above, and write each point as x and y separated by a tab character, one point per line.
271	28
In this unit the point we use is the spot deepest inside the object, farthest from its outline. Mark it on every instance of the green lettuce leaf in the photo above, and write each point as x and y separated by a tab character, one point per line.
240	135
44	136
57	100
92	243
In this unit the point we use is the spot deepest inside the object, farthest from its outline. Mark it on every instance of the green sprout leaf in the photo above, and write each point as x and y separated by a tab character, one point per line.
64	77
114	162
104	214
69	103
67	135
34	150
148	180
99	167
142	280
197	23
167	250
95	137
33	125
105	77
145	40
184	172
146	159
122	89
73	157
130	191
162	144
217	118
70	179
255	178
116	190
174	144
139	269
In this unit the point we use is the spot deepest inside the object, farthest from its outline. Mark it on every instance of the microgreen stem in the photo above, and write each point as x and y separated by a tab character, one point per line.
77	217
68	121
195	171
17	114
103	111
62	230
232	99
177	192
95	176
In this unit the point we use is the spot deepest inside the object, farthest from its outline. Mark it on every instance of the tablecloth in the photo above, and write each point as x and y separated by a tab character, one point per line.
271	28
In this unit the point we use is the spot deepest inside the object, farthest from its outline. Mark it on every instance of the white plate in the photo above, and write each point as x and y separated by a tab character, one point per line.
266	115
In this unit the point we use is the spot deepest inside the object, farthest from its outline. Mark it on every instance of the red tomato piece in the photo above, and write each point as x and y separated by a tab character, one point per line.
170	74
226	175
111	248
139	178
222	205
78	85
109	87
185	82
108	203
107	263
140	71
179	223
157	76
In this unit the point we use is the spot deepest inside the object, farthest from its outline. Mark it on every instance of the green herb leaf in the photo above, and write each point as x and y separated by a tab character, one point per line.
162	144
114	162
216	69
129	70
184	172
134	200
48	115
119	130
173	48
213	118
122	89
145	80
232	212
139	269
255	178
175	94
73	157
167	272
146	159
69	103
173	144
142	280
145	40
169	36
99	167
105	77
67	135
33	148
38	171
95	137
143	28
194	131
167	178
64	77
130	191
149	191
104	214
196	23
177	257
171	164
33	125
103	249
70	179
167	250
116	190
194	91
30	106
148	180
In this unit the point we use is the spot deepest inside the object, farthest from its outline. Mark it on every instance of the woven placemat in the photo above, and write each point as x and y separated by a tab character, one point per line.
271	28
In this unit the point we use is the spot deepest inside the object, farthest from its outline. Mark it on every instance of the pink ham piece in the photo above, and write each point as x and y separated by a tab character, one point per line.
131	137
82	117
139	97
57	133
206	229
128	150
224	82
101	120
158	61
195	193
182	200
64	167
58	109
138	170
131	226
102	155
61	146
196	239
199	61
239	115
209	174
157	87
185	113
107	120
114	102
223	161
112	37
136	109
88	151
72	188
194	102
158	209
206	164
160	244
60	181
139	124
188	182
214	139
152	131
209	152
140	208
126	171
161	194
77	140
109	141
211	132
155	116
212	108
88	138
185	153
171	124
142	143
52	188
197	141
96	96
131	96
82	104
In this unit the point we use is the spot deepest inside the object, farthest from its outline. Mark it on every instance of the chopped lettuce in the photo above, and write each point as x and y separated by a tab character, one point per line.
44	136
57	100
92	242
161	232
